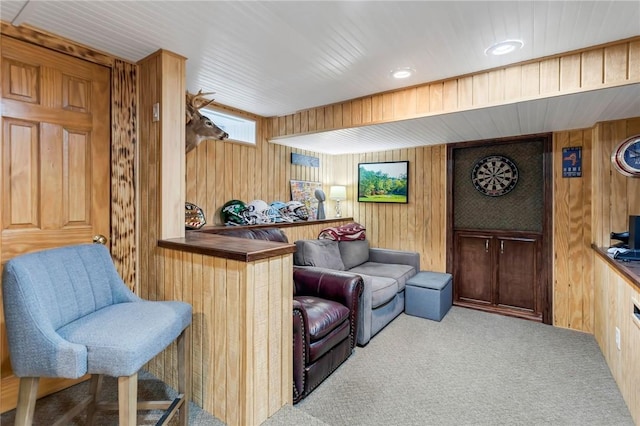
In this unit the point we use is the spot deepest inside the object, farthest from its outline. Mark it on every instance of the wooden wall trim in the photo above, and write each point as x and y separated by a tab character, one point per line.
53	42
124	140
604	66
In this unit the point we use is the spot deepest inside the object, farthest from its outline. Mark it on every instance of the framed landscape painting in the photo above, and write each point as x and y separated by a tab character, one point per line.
385	182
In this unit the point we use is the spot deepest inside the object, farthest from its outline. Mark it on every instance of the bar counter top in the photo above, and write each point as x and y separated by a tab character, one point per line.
630	270
242	249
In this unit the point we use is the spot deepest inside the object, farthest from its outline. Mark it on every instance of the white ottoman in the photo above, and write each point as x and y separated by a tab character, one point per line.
429	295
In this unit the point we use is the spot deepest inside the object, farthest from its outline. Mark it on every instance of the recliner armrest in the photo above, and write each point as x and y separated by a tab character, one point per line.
341	287
401	257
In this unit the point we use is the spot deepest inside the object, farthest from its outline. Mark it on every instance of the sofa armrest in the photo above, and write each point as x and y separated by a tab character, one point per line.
341	287
402	257
300	349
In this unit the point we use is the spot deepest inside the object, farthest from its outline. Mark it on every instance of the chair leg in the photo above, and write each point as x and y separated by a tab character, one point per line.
27	395
128	399
184	374
94	391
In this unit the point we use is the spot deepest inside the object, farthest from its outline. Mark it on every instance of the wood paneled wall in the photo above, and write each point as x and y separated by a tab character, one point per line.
221	171
241	332
609	65
614	303
613	198
572	253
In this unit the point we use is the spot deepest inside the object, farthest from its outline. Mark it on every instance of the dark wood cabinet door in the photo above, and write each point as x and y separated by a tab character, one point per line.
498	271
474	272
517	279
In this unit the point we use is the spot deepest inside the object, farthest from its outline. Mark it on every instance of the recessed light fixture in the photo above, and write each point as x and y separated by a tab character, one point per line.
503	47
401	73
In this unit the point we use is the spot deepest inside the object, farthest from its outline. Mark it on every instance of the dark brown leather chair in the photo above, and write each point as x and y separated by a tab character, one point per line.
325	321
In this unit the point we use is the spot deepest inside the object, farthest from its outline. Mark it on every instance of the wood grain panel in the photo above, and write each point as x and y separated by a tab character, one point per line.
550	76
614	308
241	331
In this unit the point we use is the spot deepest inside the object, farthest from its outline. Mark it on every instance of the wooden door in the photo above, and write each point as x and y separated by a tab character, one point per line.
517	275
474	271
55	156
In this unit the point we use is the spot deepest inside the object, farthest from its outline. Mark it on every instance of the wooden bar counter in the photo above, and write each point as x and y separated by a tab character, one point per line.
241	291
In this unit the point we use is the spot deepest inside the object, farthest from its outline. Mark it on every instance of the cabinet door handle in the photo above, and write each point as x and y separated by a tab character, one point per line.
501	247
486	245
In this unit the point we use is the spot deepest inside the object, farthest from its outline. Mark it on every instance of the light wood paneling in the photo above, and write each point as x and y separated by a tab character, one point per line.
614	308
610	65
242	333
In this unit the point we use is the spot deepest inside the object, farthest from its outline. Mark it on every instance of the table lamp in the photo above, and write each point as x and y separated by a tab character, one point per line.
338	193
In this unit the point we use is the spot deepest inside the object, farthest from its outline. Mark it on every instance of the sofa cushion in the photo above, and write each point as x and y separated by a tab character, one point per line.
383	289
354	253
396	271
320	253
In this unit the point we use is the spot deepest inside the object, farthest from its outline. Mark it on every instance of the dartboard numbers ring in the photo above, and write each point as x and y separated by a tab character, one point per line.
494	175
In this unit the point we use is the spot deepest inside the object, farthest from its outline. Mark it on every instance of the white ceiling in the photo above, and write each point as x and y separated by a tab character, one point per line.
273	58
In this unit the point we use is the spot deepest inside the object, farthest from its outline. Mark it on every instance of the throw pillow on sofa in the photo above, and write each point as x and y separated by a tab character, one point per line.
354	253
320	253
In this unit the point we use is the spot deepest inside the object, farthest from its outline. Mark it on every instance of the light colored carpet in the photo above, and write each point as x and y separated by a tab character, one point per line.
472	368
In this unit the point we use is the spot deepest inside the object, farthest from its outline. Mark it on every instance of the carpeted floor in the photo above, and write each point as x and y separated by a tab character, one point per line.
472	368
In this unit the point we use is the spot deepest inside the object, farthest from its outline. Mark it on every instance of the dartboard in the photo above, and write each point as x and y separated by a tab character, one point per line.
494	175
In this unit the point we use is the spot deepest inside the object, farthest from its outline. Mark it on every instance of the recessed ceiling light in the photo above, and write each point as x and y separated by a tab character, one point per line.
503	47
400	73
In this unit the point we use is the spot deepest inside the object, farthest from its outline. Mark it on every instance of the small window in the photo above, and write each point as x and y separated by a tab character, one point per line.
240	129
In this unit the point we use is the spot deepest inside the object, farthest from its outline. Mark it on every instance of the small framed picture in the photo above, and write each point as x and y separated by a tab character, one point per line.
385	182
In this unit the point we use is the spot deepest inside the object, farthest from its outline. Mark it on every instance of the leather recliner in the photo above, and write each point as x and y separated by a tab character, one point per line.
325	321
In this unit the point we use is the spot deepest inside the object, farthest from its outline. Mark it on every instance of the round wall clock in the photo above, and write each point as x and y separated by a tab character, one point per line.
494	175
626	156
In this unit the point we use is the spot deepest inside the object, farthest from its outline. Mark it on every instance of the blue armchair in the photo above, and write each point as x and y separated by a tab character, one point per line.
68	313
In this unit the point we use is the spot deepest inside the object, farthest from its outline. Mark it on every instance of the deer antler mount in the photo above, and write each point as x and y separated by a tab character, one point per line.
199	127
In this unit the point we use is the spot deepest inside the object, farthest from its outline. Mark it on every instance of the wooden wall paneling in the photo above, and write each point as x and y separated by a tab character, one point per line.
407	225
480	89
496	86
367	109
614	308
513	82
570	70
356	112
465	93
576	251
549	76
123	154
450	95
422	100
634	60
422	203
172	125
530	79
587	254
561	233
592	68
219	357
615	63
346	114
404	102
276	323
193	271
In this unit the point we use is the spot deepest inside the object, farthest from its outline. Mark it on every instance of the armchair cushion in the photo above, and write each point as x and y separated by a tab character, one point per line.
121	338
320	253
323	315
354	253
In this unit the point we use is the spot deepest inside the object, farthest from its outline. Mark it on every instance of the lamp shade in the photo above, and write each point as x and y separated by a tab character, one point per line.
338	192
